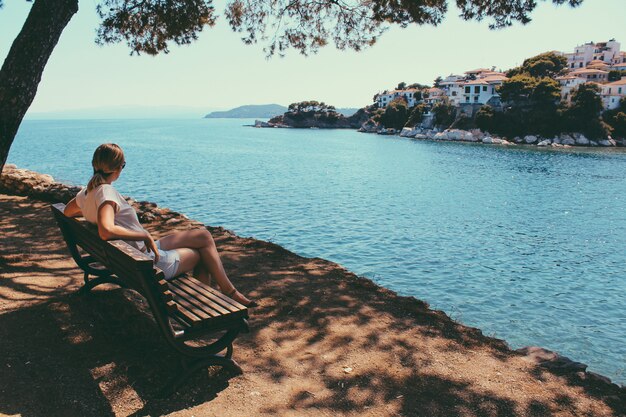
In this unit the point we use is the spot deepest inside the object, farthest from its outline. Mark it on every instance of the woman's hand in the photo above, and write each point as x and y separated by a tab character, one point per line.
151	246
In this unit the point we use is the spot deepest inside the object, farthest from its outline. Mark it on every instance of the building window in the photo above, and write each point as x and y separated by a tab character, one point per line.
477	89
475	98
467	90
484	88
454	93
619	90
467	99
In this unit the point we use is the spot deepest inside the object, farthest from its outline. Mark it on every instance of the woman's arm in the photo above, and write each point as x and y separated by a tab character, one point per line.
72	209
108	230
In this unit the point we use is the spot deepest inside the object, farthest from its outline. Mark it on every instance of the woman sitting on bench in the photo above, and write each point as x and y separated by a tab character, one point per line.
174	254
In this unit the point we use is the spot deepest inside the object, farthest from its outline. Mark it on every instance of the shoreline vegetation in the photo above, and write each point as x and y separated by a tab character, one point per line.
41	187
543	102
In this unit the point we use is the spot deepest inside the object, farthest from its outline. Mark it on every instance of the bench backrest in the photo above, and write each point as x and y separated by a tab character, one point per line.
117	256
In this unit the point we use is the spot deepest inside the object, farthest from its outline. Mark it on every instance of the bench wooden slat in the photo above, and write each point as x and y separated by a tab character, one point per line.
216	296
198	299
197	312
205	294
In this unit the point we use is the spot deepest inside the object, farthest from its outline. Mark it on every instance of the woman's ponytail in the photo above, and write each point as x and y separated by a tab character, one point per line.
107	158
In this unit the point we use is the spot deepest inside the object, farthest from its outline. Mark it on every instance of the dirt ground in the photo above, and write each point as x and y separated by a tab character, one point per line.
323	343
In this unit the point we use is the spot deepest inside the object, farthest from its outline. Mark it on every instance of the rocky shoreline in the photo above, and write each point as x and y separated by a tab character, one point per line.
22	182
478	136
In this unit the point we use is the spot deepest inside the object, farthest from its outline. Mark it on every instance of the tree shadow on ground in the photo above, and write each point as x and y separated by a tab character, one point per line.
323	340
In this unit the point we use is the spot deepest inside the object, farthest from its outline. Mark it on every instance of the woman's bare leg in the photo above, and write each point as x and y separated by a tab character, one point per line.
202	241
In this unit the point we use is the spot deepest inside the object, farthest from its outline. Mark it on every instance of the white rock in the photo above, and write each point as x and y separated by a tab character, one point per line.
517	139
544	142
556	140
605	142
487	139
530	139
568	141
496	141
421	136
440	136
409	132
582	140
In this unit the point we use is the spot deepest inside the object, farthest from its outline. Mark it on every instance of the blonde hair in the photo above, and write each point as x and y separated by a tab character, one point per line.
107	158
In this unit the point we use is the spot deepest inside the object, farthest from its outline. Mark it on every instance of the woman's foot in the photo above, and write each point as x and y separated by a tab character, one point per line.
240	298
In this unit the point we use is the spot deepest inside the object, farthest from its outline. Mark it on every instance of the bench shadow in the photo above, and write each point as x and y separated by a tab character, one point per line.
85	354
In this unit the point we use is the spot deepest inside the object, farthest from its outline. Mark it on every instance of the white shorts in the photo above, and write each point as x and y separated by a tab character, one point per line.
168	261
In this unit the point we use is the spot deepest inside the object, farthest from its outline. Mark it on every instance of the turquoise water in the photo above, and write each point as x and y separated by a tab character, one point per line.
527	244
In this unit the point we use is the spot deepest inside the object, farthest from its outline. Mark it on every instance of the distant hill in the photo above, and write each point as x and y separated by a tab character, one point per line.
259	111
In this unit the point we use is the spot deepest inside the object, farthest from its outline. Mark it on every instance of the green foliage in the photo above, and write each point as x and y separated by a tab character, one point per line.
582	114
310	106
401	86
396	114
444	114
548	64
304	25
530	107
618	124
616	119
485	118
616	75
415	116
437	82
418	86
503	12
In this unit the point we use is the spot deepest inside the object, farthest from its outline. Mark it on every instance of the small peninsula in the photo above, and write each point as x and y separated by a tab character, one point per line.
317	115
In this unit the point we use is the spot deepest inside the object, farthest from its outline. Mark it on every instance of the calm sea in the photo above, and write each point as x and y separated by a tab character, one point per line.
527	244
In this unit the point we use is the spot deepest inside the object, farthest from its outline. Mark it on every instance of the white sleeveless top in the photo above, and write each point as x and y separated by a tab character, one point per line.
125	215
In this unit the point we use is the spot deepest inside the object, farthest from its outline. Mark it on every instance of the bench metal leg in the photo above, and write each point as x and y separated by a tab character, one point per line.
190	367
94	282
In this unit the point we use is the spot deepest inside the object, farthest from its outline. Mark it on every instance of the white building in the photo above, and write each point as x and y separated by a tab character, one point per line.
452	87
434	95
613	93
568	84
591	75
583	54
484	89
386	97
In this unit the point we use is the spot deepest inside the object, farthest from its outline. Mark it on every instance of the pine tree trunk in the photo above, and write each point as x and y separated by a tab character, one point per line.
24	65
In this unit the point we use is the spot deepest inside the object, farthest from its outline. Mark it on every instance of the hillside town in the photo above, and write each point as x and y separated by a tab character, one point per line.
589	63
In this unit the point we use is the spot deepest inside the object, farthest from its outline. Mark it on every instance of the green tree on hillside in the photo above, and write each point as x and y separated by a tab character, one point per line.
616	75
548	64
396	114
151	26
401	86
616	118
311	106
444	114
530	107
415	115
583	113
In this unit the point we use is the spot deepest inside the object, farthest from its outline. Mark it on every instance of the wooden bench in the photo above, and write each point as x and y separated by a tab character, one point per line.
184	308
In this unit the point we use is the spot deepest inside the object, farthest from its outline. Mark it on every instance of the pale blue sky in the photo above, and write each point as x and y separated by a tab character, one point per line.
219	71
